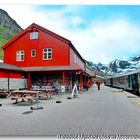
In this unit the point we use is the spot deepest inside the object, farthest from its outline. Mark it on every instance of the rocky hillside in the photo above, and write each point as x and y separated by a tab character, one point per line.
8	29
90	67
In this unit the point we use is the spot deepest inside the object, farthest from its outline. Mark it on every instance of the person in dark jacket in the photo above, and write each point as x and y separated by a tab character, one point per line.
98	84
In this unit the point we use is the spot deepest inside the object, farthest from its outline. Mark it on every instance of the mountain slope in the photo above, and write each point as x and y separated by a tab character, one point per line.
118	66
8	29
91	67
121	66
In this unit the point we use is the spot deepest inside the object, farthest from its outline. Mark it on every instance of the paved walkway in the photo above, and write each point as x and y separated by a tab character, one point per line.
107	111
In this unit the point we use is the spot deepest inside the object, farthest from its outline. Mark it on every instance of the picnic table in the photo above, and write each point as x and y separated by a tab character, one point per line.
43	88
24	95
4	93
45	94
45	91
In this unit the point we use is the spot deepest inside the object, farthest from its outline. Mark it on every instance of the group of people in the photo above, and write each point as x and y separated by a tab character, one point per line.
86	85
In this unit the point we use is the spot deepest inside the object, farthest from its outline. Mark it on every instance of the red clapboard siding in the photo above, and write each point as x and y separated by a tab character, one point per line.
72	60
15	75
4	74
60	50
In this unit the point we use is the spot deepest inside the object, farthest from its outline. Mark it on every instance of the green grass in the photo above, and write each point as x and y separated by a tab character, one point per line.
1	54
4	40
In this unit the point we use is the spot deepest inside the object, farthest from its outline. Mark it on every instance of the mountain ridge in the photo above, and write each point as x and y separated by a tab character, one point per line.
8	29
117	66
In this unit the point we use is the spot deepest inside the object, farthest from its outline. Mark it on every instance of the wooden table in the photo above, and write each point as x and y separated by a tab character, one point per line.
24	95
45	93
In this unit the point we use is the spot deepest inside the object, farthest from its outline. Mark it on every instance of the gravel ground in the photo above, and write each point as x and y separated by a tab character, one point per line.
108	111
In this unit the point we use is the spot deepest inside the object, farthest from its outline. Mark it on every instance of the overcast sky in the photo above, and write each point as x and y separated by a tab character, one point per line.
100	33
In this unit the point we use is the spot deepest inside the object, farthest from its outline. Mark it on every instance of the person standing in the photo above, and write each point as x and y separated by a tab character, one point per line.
86	85
98	84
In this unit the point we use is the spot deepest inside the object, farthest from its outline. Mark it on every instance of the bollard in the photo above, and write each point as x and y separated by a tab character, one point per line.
69	97
36	108
59	101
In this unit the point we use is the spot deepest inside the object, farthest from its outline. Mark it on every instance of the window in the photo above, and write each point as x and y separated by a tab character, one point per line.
34	35
47	53
20	55
33	53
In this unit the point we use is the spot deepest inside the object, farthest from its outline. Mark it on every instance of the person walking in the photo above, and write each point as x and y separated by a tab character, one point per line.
86	85
98	84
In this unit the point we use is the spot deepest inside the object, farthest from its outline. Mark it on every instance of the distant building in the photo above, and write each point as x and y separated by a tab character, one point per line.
37	56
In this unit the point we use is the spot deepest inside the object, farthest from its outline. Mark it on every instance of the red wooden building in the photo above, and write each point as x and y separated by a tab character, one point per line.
44	57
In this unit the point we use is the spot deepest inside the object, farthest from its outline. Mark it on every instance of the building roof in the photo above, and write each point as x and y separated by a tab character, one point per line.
51	68
40	69
35	69
35	27
9	67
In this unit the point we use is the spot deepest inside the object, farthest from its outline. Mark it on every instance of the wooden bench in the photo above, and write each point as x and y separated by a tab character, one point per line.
23	95
45	95
22	99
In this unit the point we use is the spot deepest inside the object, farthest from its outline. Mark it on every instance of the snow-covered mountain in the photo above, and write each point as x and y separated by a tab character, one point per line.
90	66
117	66
120	66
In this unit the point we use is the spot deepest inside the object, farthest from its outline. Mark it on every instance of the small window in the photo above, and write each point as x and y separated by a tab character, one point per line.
20	55
47	53
34	35
33	53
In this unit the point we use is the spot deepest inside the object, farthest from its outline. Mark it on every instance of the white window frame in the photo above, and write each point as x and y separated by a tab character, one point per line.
20	55
32	53
33	35
47	52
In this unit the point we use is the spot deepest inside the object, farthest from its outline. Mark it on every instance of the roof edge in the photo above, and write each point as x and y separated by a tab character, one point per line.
38	27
